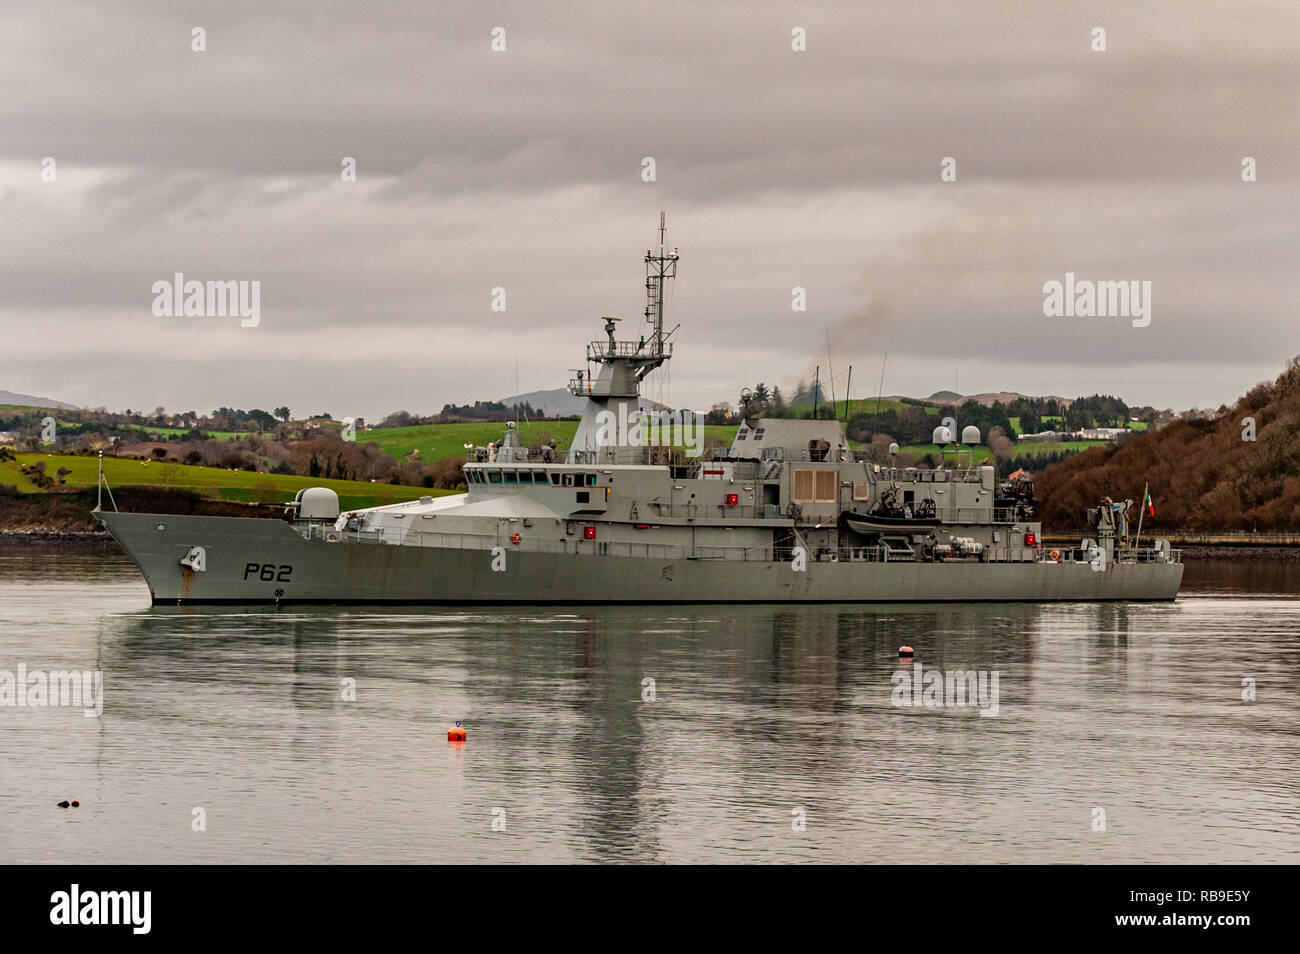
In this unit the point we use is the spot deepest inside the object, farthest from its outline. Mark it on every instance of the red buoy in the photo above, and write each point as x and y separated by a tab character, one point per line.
906	652
456	733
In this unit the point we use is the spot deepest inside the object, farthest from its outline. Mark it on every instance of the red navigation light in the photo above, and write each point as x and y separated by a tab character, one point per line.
589	533
1031	540
733	499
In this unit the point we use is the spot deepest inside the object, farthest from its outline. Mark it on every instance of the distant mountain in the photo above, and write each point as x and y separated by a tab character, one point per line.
987	398
558	402
28	400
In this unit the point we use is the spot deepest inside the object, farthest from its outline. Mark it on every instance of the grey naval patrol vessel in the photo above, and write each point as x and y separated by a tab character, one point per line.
788	513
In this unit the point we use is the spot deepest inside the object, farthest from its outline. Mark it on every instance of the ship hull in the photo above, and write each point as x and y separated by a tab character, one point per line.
250	561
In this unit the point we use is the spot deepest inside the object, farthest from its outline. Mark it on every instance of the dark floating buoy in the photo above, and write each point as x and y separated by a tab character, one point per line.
64	803
76	804
906	652
456	734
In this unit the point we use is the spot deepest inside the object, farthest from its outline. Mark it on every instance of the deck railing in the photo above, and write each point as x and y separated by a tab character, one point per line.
1124	555
576	544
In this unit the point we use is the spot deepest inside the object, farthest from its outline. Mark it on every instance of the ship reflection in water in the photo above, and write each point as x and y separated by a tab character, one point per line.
622	733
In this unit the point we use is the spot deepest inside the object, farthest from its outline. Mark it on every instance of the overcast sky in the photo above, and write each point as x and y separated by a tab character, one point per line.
522	169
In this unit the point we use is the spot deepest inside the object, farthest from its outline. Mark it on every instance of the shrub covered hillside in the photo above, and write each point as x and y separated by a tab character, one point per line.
1204	475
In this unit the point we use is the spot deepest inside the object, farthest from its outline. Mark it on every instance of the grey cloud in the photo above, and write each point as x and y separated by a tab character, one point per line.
522	169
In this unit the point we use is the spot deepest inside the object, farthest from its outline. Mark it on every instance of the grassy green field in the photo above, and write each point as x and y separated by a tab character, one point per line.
435	441
240	485
1039	448
1049	423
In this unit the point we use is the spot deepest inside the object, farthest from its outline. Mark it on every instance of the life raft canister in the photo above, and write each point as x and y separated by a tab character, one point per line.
515	538
1054	556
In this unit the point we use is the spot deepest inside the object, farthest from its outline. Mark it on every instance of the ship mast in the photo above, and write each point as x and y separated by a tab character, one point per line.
658	268
613	392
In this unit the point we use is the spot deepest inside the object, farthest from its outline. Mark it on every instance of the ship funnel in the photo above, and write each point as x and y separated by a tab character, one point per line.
970	434
941	435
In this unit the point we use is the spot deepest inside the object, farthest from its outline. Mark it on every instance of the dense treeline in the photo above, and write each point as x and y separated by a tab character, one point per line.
1049	414
906	425
1100	410
488	411
1205	473
914	421
911	424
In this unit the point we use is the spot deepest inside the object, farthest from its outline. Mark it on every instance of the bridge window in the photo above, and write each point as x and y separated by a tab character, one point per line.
494	476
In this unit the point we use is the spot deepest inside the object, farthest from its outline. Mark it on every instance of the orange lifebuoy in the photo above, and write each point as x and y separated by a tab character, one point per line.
515	538
1054	555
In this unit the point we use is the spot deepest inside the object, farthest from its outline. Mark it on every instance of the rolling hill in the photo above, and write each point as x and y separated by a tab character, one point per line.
1209	474
30	400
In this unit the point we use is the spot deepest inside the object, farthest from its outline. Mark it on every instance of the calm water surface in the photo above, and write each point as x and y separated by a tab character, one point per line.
757	712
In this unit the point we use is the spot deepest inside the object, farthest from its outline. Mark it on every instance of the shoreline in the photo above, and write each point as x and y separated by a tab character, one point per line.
49	537
1260	553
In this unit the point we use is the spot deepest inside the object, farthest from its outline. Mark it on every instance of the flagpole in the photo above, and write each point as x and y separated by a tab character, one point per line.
1141	513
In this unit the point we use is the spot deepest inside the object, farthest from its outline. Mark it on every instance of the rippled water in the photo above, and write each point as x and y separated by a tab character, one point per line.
758	712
